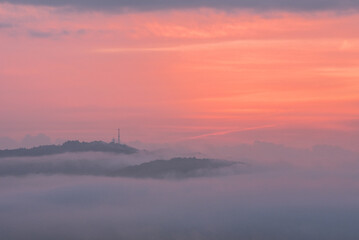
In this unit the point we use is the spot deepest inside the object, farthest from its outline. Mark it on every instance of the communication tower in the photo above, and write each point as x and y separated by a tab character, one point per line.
118	136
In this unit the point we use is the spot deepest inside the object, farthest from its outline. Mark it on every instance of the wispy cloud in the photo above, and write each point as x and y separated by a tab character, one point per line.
219	133
145	5
197	47
5	25
47	34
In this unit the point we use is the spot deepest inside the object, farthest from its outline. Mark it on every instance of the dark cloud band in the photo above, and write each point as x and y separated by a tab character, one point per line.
148	5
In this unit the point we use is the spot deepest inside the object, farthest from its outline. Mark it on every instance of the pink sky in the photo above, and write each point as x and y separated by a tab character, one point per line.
171	75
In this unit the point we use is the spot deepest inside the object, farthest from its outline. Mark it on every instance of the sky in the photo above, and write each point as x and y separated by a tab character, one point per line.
172	71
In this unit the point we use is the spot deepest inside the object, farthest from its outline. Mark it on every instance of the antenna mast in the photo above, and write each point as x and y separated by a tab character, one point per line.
118	136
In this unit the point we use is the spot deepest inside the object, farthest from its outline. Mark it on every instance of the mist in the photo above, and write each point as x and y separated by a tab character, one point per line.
136	165
248	206
271	200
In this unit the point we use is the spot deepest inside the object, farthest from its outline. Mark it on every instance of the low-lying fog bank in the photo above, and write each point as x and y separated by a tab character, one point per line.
139	165
282	194
266	205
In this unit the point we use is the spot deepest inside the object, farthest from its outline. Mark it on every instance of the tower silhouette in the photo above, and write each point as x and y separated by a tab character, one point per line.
118	136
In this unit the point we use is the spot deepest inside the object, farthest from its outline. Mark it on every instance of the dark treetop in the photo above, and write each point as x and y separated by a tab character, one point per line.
67	147
174	168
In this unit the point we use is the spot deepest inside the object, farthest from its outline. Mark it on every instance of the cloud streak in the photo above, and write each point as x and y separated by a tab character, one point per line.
230	131
5	25
144	5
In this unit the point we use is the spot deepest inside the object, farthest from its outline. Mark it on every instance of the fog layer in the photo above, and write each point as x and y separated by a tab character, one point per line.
293	205
276	200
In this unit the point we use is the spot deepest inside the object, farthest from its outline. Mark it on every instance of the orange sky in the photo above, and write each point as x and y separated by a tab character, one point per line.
179	74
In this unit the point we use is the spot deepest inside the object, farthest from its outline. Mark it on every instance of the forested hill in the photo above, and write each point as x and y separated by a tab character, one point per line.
69	146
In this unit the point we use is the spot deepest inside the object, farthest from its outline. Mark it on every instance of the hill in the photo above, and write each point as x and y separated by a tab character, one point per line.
174	168
69	146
